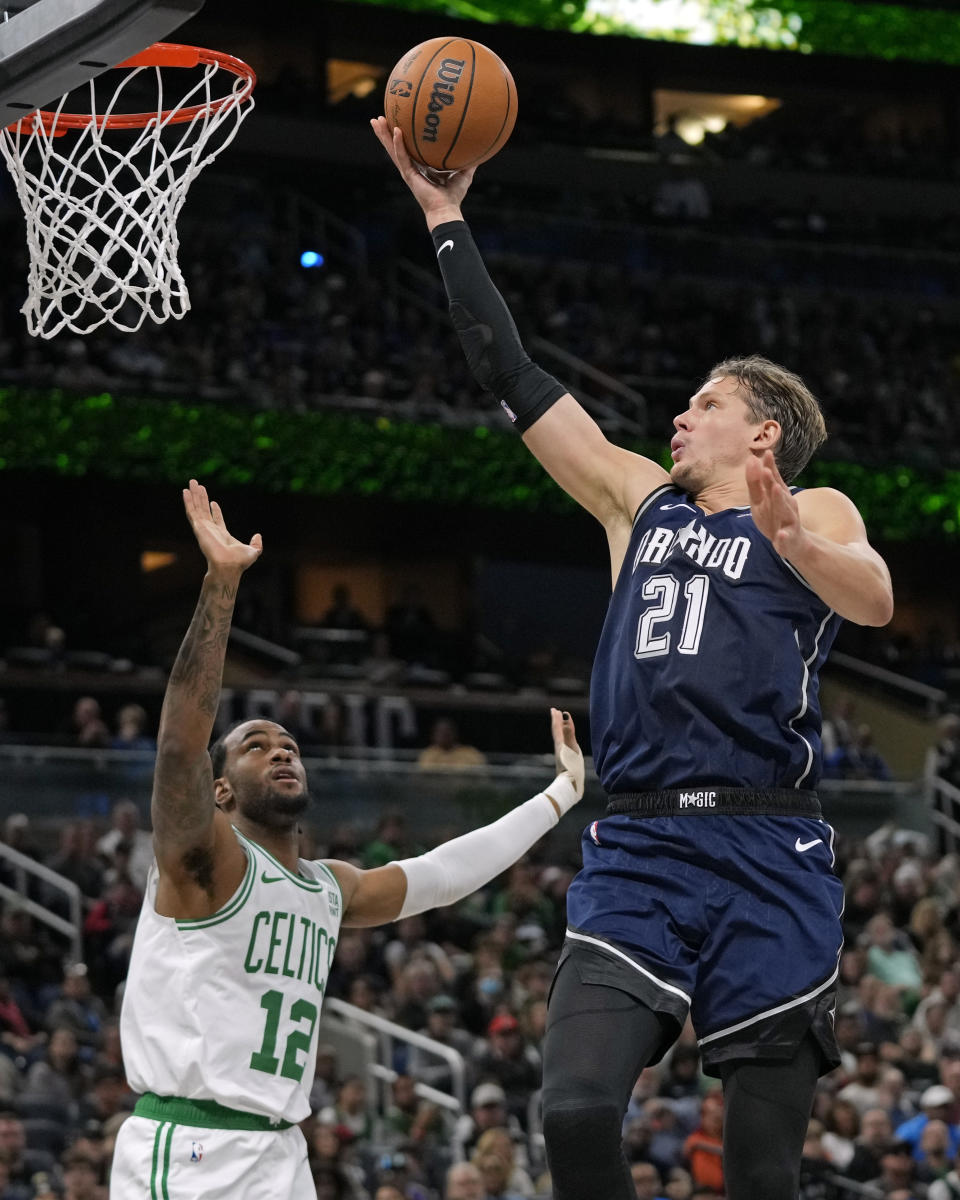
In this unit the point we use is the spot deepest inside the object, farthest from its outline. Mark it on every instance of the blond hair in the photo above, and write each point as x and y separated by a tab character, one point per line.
772	393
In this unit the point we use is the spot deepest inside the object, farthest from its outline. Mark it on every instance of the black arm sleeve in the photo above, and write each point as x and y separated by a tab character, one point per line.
487	332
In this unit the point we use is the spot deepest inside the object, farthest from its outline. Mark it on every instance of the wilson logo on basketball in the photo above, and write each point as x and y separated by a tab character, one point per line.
441	96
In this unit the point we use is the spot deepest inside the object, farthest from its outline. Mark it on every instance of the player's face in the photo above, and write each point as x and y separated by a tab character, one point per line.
714	437
266	776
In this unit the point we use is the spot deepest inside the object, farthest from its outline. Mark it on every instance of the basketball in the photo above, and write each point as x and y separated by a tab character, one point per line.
454	100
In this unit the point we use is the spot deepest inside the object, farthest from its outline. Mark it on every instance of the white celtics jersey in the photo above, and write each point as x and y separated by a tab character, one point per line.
226	1008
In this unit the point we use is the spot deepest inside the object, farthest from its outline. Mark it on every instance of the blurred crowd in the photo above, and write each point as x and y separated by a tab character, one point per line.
650	286
475	978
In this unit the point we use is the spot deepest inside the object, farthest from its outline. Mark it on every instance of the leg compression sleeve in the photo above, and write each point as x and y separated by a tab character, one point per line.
598	1040
487	332
767	1106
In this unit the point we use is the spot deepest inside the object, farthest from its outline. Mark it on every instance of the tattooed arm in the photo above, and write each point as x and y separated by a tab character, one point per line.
200	860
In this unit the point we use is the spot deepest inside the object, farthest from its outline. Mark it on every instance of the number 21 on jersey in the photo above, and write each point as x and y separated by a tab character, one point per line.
664	591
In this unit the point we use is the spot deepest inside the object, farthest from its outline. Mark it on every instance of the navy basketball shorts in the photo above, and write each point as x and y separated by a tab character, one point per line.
732	919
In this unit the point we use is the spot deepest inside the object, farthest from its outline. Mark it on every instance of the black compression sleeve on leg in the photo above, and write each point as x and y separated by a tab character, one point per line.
487	331
767	1105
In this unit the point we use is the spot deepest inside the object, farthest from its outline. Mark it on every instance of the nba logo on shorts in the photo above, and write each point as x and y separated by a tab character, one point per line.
196	1152
593	832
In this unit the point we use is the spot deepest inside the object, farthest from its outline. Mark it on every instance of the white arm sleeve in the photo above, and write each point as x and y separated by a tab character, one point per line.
457	868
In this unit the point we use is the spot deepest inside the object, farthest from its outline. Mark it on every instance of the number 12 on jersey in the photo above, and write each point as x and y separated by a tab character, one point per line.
663	591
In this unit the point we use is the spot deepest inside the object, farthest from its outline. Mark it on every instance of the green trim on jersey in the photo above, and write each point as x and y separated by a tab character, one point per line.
308	885
323	867
202	1114
233	906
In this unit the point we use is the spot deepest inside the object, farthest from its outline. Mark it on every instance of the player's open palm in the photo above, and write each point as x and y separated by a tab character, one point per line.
221	549
569	754
773	506
433	193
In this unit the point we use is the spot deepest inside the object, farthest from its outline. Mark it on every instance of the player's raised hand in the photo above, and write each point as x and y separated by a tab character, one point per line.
773	506
568	753
221	549
434	194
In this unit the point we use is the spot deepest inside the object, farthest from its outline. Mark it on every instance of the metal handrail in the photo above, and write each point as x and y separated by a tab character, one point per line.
935	697
387	1030
23	866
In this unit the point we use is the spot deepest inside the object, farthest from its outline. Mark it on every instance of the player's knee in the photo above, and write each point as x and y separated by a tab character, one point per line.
580	1130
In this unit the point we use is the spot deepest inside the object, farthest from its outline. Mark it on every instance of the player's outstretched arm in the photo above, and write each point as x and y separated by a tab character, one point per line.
608	481
821	534
182	806
458	867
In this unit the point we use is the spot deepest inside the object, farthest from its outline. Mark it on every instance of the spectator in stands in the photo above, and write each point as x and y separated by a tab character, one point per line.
75	860
890	957
22	1163
410	626
938	952
88	726
898	1172
703	1149
125	827
350	1109
935	1103
522	896
682	1077
935	1151
447	751
872	1142
29	956
510	1062
859	759
947	1188
441	1027
18	835
331	1158
495	1173
499	1141
390	842
863	1089
81	1178
76	1008
842	1125
646	1181
108	1096
409	941
58	1078
326	1081
838	727
411	1119
678	1185
132	729
488	1110
464	1182
342	614
16	1036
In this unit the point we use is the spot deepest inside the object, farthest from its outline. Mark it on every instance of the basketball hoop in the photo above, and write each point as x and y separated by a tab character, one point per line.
102	191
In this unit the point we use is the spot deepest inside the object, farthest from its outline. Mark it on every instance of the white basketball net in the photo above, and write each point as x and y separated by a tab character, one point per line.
102	204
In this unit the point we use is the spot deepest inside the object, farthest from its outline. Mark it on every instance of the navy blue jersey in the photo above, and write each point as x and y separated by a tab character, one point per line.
706	671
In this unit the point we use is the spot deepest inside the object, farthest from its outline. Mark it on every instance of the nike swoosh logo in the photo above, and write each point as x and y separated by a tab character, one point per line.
801	846
446	244
664	507
265	878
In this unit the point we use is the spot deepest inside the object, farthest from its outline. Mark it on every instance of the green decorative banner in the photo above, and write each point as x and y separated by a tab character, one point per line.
331	454
857	28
